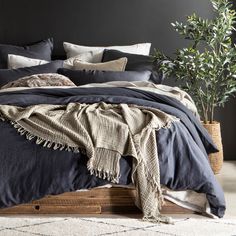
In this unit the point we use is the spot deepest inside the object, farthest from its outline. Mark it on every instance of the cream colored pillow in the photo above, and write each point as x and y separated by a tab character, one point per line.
116	65
16	61
73	50
90	57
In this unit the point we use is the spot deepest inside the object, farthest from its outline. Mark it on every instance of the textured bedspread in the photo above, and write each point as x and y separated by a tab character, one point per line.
29	171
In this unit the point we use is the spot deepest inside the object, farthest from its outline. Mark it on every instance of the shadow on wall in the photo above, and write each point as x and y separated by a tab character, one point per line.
227	117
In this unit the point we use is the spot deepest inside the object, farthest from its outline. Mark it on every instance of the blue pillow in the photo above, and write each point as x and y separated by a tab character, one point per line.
81	77
40	50
135	63
7	75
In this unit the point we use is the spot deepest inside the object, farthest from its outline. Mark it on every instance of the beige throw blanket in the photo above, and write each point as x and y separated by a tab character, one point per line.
104	132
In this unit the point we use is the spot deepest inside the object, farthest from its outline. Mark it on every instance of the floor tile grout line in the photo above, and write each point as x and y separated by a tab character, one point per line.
124	226
36	224
224	223
129	227
106	223
30	233
129	230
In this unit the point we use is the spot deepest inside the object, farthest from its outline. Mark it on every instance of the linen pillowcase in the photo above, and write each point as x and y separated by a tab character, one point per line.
7	75
73	50
115	65
82	77
87	57
41	50
135	63
16	62
40	80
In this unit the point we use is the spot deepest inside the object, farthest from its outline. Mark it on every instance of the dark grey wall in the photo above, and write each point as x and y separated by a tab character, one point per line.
96	22
107	22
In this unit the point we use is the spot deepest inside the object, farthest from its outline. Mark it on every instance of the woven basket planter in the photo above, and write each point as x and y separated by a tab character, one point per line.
216	159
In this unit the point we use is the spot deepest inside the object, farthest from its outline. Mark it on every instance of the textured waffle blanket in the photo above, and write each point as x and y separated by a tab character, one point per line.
105	132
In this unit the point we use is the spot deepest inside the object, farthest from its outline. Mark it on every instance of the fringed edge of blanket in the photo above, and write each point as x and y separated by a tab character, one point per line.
111	170
40	141
106	165
1	117
157	217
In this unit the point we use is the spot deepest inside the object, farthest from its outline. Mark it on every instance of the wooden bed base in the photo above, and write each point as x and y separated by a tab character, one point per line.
96	201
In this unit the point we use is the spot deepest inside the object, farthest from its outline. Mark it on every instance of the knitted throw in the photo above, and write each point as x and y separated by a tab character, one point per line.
104	132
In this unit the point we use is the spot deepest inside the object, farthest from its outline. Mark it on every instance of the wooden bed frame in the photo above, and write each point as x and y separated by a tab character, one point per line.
96	201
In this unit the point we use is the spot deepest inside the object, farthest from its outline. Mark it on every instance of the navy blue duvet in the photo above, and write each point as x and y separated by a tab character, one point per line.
29	171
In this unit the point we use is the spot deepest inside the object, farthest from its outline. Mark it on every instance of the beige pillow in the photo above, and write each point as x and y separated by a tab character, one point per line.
40	80
16	61
116	65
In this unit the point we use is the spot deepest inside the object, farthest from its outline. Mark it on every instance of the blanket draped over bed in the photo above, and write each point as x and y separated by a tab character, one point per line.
105	132
29	171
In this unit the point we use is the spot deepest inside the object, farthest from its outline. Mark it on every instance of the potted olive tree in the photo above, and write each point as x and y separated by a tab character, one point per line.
207	68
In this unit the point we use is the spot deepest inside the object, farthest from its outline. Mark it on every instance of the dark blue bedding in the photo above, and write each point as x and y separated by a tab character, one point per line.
29	171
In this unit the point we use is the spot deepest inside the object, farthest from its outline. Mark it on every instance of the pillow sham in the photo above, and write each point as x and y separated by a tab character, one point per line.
135	63
41	50
40	80
82	77
87	57
7	75
115	65
73	50
16	62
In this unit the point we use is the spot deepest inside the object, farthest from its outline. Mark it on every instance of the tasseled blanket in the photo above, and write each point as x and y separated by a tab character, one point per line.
105	132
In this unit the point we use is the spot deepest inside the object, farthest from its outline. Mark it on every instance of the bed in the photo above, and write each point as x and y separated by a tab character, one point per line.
182	149
116	200
44	116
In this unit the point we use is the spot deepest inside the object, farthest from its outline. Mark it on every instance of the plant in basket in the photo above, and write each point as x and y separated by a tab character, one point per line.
206	68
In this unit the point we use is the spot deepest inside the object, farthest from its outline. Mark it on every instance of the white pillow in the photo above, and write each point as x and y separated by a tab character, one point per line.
73	50
16	61
115	65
